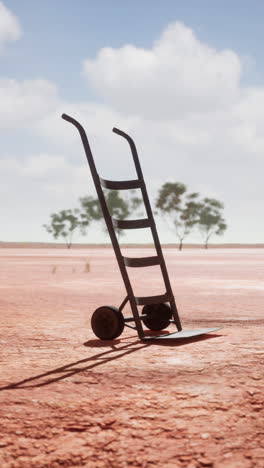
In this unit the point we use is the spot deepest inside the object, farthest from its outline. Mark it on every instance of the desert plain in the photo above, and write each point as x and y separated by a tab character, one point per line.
68	399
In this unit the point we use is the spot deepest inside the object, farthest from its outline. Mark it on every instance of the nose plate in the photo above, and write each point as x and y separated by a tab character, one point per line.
182	334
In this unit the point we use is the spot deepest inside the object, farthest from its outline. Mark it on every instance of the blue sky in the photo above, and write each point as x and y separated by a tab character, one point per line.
124	63
71	30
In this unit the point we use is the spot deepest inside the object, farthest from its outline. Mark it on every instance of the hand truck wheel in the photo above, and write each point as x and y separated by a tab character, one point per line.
107	322
158	316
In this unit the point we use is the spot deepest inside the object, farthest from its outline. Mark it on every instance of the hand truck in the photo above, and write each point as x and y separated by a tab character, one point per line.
108	322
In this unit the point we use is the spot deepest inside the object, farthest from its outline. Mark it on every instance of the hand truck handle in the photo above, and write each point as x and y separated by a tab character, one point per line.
72	120
133	151
86	146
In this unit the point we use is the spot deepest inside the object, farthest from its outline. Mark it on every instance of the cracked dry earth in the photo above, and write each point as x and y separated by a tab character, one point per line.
70	400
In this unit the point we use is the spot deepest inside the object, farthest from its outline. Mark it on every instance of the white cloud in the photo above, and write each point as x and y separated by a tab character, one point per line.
183	103
33	188
24	102
47	172
10	29
178	75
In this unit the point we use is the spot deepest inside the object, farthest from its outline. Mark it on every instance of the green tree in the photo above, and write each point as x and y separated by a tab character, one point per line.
63	224
119	208
178	207
90	211
211	221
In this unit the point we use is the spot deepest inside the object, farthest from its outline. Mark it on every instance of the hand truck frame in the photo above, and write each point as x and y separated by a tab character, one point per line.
107	321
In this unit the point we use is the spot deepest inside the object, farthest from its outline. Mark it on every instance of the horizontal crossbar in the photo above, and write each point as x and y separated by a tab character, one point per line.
120	184
141	262
131	223
130	326
131	319
147	300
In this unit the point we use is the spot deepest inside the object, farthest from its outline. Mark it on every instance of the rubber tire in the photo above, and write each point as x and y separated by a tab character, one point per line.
107	322
158	316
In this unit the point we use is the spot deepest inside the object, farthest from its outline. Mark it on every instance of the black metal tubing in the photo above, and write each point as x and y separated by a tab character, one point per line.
133	151
120	184
108	221
152	226
121	307
141	261
130	326
144	300
131	223
149	222
131	319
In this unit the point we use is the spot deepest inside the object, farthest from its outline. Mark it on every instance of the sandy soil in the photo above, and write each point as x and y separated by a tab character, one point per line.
69	399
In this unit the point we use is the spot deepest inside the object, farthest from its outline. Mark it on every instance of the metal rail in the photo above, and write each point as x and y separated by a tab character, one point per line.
124	262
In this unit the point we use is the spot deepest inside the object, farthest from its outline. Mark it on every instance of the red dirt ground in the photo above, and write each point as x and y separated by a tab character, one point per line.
69	399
